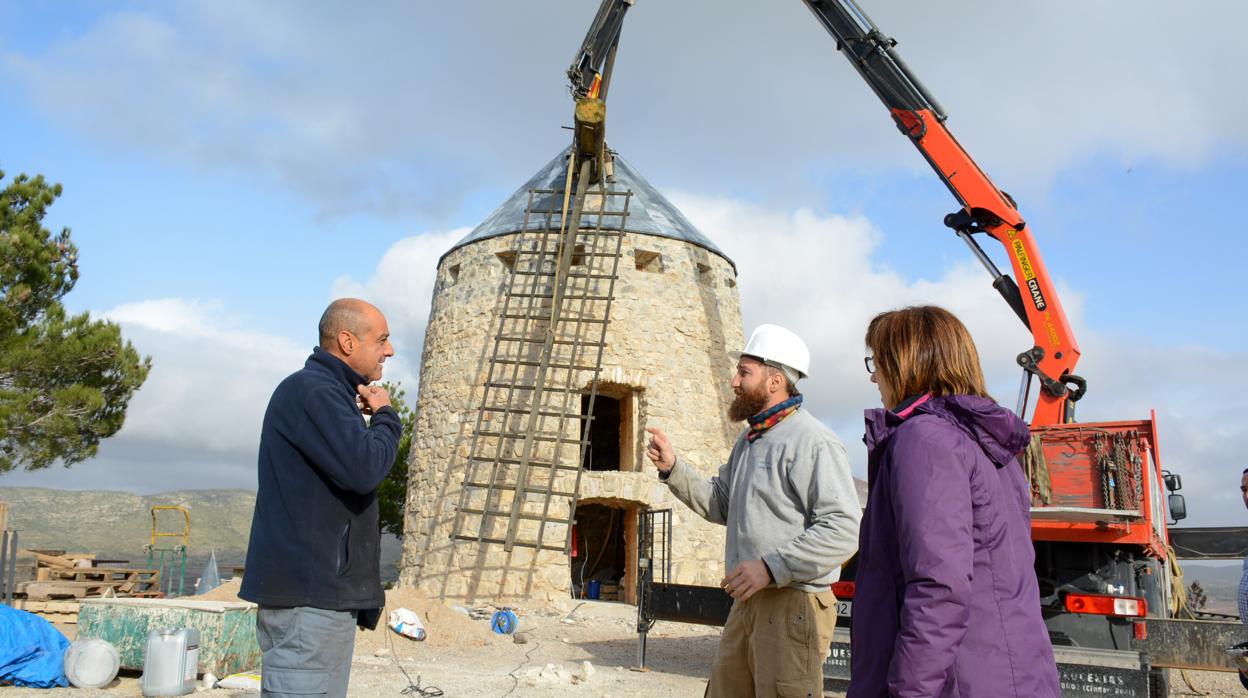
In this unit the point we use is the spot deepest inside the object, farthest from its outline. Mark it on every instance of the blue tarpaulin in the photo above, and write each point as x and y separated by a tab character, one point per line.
32	652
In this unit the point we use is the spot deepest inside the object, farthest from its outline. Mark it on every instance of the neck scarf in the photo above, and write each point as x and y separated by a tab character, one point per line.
761	422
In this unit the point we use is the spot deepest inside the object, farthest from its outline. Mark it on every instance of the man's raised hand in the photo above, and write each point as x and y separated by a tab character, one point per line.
660	451
374	397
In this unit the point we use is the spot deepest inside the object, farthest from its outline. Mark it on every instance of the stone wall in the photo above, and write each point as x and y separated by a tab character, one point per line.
676	315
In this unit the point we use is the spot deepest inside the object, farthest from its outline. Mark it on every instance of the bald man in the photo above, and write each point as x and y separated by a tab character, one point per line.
313	562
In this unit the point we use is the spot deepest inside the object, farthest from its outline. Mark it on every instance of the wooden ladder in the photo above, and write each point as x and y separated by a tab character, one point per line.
525	459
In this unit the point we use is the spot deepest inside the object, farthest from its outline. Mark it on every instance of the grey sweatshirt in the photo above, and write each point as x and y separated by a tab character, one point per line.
787	498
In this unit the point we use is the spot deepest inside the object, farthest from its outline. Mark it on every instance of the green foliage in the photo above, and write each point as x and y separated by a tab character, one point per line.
65	381
392	493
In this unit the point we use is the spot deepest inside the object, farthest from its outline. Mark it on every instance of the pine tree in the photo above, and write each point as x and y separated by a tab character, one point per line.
65	381
392	494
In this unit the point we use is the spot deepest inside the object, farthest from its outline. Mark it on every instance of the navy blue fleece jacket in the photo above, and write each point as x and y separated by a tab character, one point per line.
314	536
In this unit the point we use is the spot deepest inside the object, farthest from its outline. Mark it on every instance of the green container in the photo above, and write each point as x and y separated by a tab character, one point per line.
227	629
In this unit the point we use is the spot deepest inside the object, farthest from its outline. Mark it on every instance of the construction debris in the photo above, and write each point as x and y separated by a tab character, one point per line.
247	683
52	611
60	579
587	670
406	622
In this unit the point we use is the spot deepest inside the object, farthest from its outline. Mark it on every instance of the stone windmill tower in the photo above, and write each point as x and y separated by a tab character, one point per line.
543	363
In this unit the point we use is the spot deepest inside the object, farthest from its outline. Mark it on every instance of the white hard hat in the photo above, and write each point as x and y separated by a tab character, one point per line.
774	344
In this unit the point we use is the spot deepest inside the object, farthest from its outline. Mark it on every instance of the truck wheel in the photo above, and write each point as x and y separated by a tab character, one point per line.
1158	683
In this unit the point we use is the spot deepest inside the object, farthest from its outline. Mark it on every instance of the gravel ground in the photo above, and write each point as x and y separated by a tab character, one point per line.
549	664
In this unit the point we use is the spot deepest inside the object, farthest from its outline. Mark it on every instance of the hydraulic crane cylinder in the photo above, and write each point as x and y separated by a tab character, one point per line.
590	136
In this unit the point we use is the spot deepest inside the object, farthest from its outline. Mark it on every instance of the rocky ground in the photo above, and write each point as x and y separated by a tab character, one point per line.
582	649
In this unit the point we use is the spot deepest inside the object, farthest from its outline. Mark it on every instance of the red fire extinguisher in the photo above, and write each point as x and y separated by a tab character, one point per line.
574	553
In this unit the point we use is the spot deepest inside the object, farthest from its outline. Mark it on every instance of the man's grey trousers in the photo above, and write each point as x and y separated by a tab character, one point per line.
306	651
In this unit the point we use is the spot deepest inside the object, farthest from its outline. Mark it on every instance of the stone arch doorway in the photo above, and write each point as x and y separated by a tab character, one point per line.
606	549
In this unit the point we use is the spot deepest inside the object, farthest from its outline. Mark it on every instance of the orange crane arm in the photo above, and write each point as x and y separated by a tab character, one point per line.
985	209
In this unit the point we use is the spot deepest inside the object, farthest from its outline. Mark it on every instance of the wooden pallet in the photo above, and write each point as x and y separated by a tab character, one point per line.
59	575
65	589
102	574
51	611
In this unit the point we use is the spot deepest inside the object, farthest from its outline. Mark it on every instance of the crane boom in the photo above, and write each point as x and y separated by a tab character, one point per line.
985	208
590	75
586	71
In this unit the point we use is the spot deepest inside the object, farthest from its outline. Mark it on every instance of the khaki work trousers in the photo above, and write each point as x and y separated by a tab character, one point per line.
774	645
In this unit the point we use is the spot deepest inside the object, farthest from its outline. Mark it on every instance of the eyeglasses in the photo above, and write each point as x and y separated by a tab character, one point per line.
870	362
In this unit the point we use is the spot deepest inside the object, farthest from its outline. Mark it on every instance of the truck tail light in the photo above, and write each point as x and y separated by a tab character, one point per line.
843	590
1097	604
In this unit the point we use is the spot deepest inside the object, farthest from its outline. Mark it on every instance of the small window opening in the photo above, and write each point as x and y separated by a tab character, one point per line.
613	441
453	274
602	452
508	259
704	273
578	255
648	260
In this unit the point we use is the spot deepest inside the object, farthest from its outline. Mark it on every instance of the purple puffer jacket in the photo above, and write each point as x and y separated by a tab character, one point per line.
946	600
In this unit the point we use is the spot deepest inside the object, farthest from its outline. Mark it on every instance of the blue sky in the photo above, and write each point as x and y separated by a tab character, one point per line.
230	167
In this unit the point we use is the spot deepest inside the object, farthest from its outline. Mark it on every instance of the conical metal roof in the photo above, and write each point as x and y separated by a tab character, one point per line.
649	212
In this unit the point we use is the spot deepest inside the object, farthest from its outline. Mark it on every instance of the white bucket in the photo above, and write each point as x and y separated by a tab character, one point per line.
91	663
170	663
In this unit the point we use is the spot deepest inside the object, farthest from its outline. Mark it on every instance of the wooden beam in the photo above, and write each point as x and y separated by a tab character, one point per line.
50	560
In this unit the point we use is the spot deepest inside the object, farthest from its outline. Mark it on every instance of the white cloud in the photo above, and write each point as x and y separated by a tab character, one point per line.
210	379
412	105
195	422
402	286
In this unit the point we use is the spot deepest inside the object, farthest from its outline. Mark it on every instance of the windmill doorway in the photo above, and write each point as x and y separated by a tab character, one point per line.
604	556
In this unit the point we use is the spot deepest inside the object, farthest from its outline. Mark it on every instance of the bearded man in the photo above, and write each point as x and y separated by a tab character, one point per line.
788	500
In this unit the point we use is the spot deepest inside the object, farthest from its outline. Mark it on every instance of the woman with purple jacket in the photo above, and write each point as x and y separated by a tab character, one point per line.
946	600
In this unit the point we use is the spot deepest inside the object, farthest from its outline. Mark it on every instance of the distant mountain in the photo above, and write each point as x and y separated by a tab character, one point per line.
117	525
1218	573
120	522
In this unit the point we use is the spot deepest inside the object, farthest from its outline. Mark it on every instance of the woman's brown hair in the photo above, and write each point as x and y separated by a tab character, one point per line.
924	349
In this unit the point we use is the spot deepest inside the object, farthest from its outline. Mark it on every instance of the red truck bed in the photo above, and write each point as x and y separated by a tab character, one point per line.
1104	485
